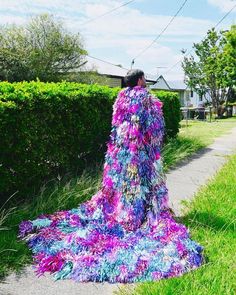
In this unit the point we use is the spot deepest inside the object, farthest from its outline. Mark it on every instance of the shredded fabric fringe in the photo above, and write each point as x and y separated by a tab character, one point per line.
126	232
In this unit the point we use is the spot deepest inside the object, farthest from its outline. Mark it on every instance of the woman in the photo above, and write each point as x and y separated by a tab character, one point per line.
126	232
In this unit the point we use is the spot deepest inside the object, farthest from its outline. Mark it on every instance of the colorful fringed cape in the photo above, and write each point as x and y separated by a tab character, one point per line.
126	232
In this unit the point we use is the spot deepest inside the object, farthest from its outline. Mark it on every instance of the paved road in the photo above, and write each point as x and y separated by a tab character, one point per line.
183	182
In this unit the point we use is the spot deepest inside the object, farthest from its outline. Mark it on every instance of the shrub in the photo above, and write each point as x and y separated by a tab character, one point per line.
50	129
171	110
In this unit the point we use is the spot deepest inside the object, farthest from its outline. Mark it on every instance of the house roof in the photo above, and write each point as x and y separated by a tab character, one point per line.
104	68
178	85
162	84
109	69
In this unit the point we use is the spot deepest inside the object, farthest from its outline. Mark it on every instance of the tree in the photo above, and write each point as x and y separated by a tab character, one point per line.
227	63
41	49
194	76
88	76
213	69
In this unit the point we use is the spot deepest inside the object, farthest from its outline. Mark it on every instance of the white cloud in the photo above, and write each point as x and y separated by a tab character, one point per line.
223	5
55	6
9	19
120	36
159	59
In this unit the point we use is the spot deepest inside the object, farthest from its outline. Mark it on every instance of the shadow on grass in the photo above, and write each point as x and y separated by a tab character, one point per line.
179	151
200	153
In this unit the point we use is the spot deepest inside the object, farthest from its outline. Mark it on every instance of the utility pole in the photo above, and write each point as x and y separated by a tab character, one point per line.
132	63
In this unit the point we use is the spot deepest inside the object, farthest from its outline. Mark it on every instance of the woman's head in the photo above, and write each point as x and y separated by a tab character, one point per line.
135	78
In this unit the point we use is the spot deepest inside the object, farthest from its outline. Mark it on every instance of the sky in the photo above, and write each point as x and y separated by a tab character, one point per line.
122	35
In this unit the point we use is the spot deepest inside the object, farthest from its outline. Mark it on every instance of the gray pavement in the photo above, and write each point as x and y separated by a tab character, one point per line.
183	182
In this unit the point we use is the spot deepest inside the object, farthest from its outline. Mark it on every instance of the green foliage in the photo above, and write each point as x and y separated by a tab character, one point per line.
231	103
179	148
48	129
171	109
193	137
87	77
68	192
211	222
60	194
228	58
213	71
41	49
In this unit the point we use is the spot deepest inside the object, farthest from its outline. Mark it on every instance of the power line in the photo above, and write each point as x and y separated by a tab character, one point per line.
118	66
107	62
158	35
162	32
174	65
106	13
225	15
220	21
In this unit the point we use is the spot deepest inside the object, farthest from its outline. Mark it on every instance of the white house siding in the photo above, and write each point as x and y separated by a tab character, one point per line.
187	97
195	99
234	109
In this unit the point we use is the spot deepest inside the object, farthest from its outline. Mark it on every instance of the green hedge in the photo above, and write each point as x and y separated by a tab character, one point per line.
49	129
171	110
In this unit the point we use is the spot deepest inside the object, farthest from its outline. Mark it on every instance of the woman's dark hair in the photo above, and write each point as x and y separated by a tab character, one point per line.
132	77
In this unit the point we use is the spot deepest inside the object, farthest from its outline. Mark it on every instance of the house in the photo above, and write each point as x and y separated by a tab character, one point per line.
187	96
113	74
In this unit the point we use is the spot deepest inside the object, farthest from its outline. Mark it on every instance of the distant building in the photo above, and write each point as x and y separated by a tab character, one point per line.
113	74
188	97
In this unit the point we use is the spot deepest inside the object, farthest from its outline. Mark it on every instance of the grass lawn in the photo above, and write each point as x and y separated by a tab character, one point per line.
193	137
206	132
212	223
68	192
62	194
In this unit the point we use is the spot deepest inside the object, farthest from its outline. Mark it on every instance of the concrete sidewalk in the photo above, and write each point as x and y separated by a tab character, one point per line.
186	179
183	182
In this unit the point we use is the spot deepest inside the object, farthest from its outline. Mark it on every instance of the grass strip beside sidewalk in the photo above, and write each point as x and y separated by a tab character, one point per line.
212	223
192	138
